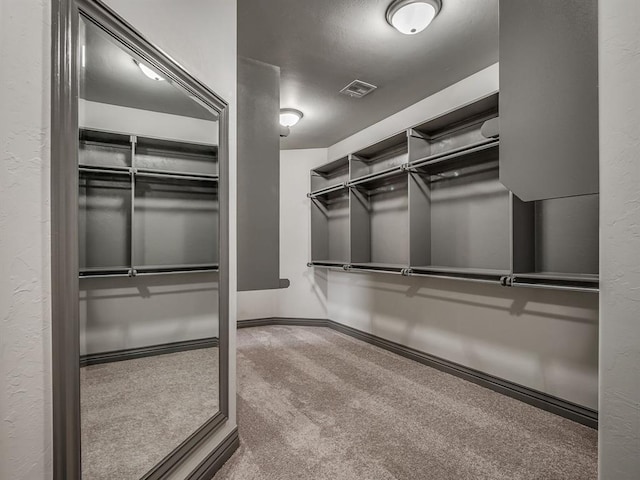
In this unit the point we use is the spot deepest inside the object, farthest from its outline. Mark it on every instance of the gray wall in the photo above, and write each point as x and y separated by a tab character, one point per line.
619	433
258	175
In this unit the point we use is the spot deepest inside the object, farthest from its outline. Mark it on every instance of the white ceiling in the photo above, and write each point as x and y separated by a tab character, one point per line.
322	45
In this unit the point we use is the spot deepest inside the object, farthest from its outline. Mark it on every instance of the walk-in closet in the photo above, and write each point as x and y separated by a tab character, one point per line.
319	240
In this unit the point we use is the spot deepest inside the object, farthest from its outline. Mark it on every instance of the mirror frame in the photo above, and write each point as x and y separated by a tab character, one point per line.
64	228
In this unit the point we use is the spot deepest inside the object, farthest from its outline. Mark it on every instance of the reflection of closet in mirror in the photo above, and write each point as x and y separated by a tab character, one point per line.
148	256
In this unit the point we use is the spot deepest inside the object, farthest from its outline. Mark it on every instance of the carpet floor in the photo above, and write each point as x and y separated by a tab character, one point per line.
316	404
135	412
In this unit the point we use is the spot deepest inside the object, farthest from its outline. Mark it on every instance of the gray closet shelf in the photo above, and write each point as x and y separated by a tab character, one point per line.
146	270
428	202
458	157
148	206
327	190
147	172
383	174
328	177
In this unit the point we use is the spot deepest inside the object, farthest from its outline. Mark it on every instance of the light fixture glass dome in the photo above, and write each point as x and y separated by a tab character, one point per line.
412	16
149	73
289	117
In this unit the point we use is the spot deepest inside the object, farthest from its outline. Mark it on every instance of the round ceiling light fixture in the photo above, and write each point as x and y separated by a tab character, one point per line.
290	116
412	16
149	73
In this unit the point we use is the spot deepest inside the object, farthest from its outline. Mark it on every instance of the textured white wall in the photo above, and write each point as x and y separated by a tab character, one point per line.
545	340
619	50
116	118
306	296
201	36
25	336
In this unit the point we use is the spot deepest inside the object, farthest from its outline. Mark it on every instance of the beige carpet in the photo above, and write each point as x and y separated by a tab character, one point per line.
135	412
316	404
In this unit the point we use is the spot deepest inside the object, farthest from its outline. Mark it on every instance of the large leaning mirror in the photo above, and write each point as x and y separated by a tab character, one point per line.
151	293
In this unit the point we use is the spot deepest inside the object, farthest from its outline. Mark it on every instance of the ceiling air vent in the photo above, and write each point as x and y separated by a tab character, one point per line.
358	89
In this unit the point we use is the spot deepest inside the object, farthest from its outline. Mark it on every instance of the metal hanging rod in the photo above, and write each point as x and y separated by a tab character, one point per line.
364	268
155	270
333	188
455	277
177	176
453	154
389	172
177	272
550	286
105	171
147	171
176	268
206	176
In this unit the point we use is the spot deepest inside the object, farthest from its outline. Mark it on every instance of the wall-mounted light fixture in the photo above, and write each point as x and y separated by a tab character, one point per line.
290	116
149	73
412	16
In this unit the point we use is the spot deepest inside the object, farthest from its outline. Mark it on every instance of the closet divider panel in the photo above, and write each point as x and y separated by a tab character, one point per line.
419	220
360	227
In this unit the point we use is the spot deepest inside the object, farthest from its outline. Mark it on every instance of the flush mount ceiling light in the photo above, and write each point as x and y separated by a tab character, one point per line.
412	16
289	117
148	72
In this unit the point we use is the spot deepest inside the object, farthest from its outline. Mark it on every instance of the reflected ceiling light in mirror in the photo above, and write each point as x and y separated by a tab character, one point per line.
412	16
83	56
290	116
149	73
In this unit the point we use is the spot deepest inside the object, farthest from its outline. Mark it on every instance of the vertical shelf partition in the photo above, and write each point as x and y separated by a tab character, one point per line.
428	201
147	205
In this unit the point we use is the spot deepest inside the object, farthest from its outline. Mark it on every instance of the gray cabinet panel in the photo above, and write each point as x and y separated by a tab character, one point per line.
470	222
549	98
176	223
258	175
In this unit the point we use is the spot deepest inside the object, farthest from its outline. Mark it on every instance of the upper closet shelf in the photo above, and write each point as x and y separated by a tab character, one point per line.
476	153
473	113
329	177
